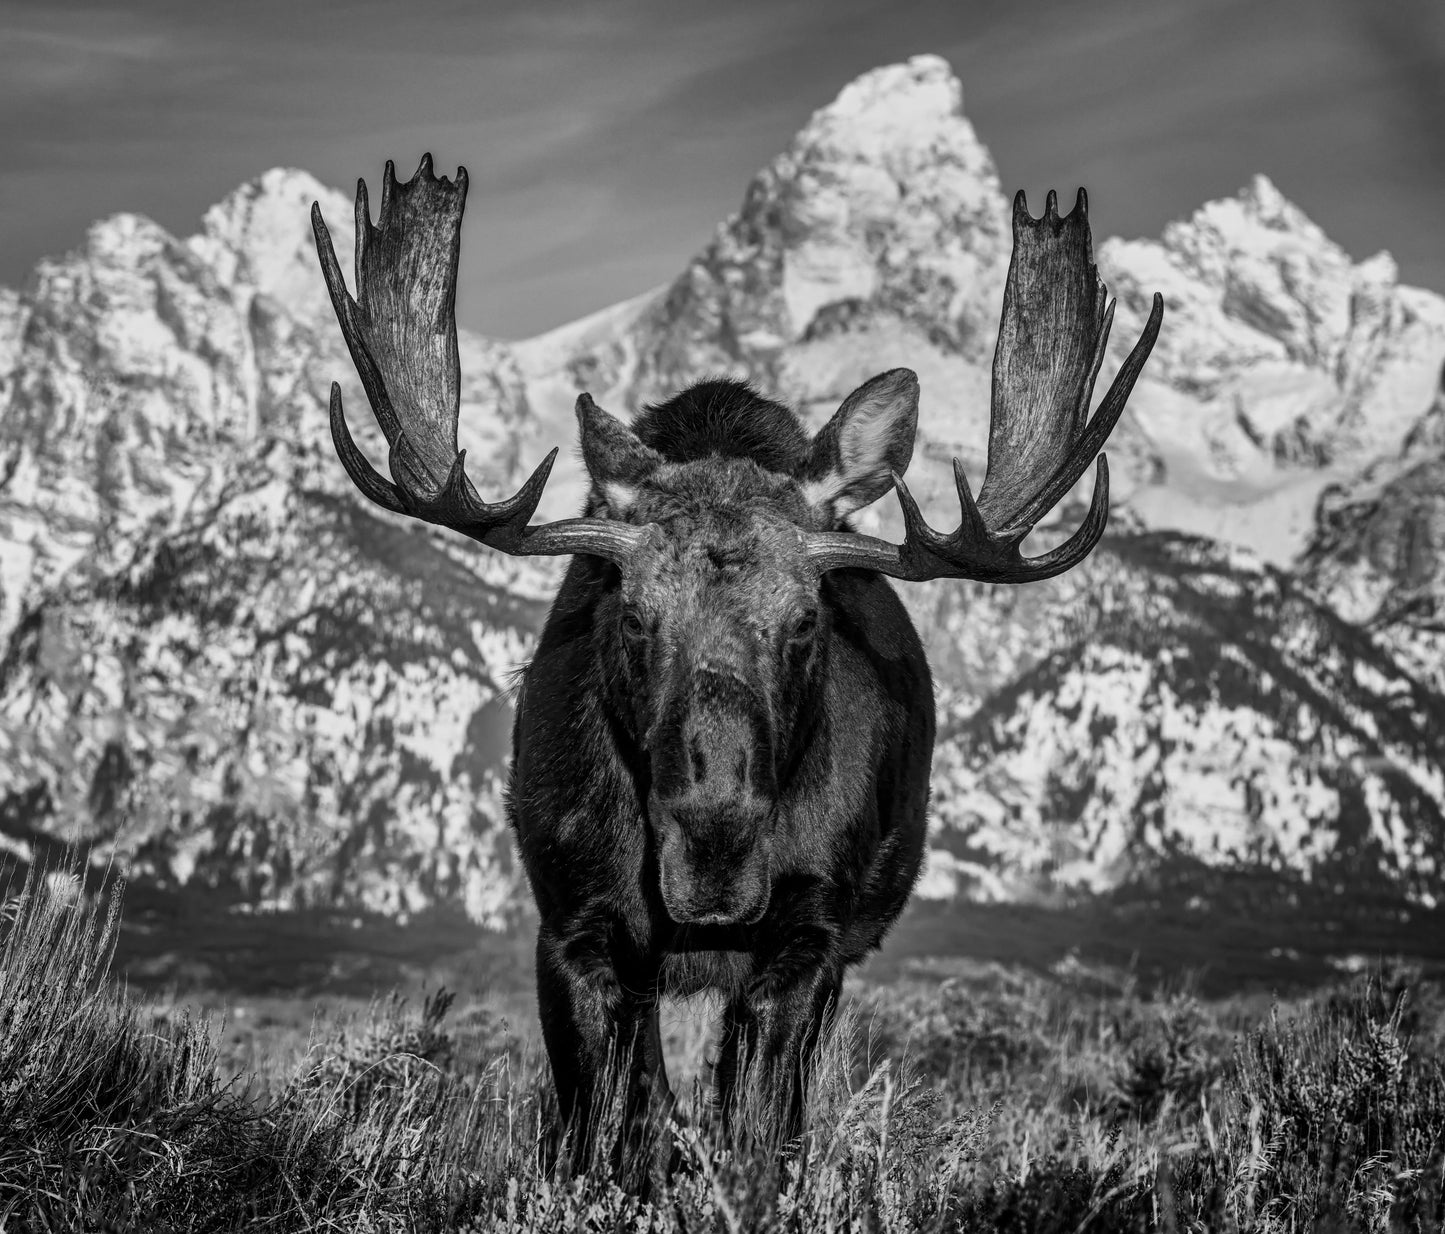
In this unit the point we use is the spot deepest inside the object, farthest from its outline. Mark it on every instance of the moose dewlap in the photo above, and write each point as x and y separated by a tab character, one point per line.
722	744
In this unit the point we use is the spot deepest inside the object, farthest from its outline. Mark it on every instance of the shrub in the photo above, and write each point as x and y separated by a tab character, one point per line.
976	1106
1172	1058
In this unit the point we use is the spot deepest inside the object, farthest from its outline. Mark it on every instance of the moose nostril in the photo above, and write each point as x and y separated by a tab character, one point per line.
698	758
740	772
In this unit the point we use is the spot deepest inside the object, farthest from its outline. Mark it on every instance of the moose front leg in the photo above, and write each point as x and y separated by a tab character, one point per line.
769	1043
601	1030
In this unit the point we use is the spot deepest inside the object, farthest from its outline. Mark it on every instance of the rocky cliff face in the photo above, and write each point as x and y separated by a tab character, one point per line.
1196	708
1285	365
214	659
219	661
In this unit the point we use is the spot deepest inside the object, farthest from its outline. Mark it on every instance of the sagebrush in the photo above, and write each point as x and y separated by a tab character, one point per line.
997	1101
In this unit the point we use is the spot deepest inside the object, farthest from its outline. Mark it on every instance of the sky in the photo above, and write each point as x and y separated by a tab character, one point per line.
605	140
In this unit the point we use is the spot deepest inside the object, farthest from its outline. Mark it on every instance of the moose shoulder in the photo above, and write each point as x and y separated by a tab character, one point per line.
723	741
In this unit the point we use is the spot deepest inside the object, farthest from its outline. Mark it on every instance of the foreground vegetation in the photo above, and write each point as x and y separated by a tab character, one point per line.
999	1102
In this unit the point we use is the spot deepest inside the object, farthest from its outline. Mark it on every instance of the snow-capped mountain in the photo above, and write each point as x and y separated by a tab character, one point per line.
219	660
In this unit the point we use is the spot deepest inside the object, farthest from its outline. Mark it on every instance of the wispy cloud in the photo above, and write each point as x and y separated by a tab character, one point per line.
67	56
607	137
71	54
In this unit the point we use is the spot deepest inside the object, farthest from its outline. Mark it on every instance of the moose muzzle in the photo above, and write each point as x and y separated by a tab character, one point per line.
712	806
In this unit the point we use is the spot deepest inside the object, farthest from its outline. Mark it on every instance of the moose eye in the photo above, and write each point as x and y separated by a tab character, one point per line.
805	626
632	626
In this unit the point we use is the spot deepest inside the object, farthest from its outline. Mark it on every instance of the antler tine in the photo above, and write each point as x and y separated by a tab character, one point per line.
401	332
1052	339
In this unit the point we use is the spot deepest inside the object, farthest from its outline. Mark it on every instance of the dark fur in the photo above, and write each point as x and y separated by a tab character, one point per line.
726	418
853	706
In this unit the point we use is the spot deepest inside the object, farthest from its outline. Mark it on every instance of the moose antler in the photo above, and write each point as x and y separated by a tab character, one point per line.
402	333
1050	345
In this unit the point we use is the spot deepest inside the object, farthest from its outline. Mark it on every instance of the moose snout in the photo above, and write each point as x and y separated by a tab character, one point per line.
714	865
712	802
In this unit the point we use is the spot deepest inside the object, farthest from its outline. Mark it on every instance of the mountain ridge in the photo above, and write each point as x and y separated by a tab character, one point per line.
215	658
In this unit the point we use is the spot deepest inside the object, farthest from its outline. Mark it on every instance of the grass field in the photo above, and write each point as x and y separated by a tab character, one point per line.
957	1094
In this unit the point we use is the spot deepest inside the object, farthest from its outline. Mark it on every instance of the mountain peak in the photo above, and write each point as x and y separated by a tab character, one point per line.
125	240
903	102
1262	198
260	235
885	208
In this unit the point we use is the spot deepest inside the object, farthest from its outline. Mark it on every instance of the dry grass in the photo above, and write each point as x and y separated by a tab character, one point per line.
1001	1102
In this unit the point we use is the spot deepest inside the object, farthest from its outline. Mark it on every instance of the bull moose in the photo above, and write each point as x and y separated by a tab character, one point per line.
723	741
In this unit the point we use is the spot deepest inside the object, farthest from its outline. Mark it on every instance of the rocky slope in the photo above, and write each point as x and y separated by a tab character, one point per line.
1200	708
214	658
217	660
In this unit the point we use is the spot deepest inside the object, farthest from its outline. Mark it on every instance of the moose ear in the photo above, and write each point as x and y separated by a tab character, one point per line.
616	458
870	438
